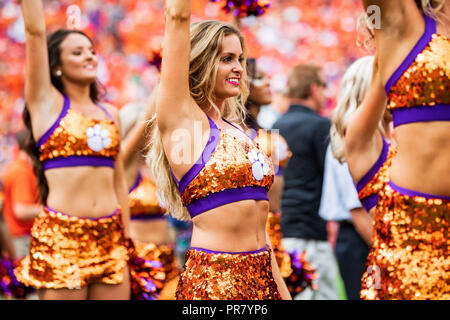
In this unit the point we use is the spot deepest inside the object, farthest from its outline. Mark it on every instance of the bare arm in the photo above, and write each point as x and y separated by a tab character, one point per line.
120	184
174	95
26	211
38	88
363	223
282	288
362	139
6	239
139	132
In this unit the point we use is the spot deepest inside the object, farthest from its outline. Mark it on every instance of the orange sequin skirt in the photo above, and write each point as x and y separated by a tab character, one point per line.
158	278
209	275
409	258
71	252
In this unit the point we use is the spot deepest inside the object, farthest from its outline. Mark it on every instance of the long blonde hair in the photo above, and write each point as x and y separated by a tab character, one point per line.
354	86
206	47
433	8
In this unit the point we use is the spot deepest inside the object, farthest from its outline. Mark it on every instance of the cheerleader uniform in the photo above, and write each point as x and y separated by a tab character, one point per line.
68	251
148	280
409	255
230	169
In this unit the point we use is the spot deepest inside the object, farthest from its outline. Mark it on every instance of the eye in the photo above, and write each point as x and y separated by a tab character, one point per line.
77	53
241	60
227	59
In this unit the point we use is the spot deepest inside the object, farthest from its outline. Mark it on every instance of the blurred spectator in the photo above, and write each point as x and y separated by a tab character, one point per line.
306	133
340	203
21	197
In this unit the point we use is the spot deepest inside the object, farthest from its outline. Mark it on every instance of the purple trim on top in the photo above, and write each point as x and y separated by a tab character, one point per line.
438	112
210	147
226	196
81	218
240	129
76	161
48	133
430	29
136	182
104	110
370	202
219	252
413	193
375	168
175	178
147	216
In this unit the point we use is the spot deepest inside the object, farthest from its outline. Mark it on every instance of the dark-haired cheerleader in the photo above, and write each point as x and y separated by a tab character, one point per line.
78	242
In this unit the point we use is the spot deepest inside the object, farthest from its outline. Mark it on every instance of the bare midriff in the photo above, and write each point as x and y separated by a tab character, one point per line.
235	227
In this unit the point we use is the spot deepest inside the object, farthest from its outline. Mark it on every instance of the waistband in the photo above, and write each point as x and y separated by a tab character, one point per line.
412	193
437	112
147	216
224	252
78	161
116	212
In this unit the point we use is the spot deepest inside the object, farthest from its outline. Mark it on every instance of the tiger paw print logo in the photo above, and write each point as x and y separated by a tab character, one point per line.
260	167
98	138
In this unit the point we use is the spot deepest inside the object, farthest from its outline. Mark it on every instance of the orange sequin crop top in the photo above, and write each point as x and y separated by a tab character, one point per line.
376	178
143	200
77	140
230	169
419	90
274	146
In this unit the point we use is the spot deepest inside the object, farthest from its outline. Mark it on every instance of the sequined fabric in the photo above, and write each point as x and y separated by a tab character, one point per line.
144	200
225	276
271	144
296	271
409	258
273	228
71	252
228	168
379	180
427	81
70	138
151	268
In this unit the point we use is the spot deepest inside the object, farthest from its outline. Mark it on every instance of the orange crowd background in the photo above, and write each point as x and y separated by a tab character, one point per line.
127	32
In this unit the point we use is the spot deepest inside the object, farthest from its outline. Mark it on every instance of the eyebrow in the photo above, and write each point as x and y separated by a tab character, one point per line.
232	54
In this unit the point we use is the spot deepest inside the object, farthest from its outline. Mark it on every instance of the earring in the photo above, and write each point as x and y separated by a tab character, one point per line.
58	73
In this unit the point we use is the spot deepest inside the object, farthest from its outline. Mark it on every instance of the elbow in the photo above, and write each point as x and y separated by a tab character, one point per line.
177	15
35	31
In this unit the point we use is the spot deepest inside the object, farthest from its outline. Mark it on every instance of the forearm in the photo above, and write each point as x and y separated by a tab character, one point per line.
281	285
33	17
6	240
363	224
27	211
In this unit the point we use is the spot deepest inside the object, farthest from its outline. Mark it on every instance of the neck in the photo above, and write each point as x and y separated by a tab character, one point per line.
78	93
304	102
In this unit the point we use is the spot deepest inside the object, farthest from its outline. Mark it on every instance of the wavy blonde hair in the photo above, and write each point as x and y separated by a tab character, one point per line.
433	8
354	85
206	48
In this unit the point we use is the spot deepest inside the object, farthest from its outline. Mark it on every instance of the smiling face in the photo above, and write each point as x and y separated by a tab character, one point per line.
229	73
78	59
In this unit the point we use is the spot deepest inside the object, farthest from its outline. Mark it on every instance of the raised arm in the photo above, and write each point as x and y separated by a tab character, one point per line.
37	82
362	139
132	141
174	94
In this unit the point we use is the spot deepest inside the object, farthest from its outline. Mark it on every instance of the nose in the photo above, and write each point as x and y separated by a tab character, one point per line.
238	68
